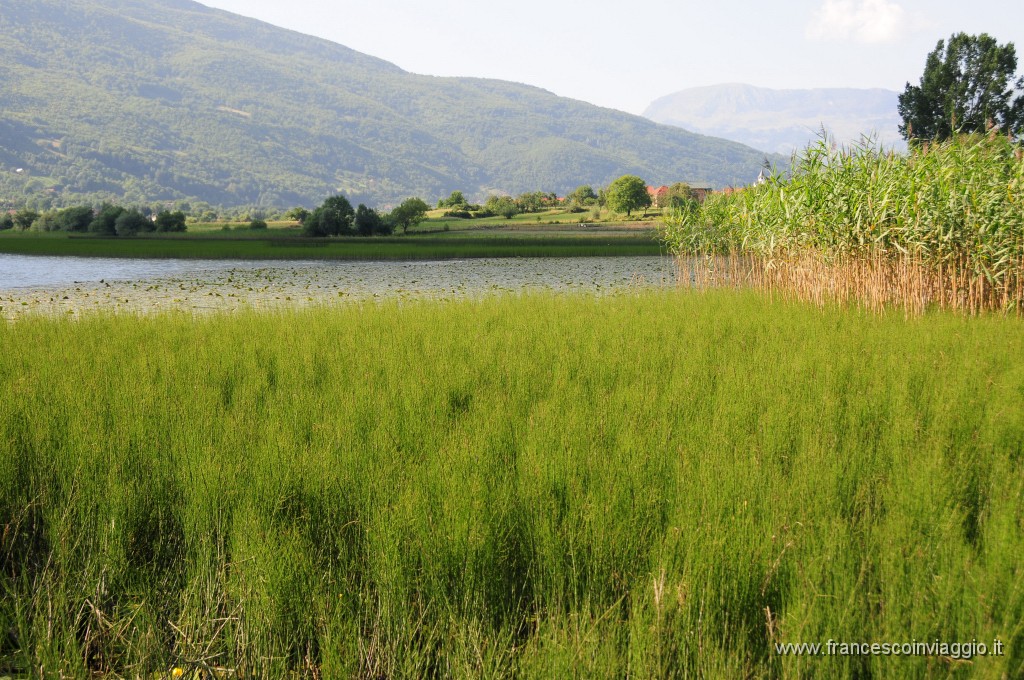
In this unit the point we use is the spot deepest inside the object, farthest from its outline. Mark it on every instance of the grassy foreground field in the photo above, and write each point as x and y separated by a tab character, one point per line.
648	485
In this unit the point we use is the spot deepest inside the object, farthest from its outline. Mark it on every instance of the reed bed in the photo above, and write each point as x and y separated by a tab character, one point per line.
941	227
646	485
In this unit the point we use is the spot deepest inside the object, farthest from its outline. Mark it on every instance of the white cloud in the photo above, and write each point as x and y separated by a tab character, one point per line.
868	21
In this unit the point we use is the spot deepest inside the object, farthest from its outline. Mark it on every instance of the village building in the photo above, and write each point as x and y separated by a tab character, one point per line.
658	195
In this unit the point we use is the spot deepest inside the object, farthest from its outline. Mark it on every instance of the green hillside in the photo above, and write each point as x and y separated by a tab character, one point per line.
153	100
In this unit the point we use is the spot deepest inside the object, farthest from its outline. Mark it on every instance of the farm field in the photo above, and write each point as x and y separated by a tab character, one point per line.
651	484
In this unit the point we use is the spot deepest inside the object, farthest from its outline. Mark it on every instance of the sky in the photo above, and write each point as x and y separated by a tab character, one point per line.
624	55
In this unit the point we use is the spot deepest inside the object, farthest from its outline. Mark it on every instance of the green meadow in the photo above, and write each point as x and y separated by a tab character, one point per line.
555	218
658	484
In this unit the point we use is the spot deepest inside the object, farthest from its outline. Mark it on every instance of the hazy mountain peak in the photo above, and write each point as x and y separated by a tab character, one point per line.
782	121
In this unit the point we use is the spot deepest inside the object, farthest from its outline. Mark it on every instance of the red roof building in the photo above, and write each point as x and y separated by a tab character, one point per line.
657	195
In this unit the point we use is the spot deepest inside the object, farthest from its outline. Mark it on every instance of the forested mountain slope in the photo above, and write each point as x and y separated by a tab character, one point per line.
148	100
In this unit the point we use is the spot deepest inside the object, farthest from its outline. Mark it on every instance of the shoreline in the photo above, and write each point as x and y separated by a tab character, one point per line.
244	247
331	283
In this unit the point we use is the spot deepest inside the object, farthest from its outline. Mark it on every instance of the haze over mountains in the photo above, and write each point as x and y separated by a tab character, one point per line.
160	100
782	121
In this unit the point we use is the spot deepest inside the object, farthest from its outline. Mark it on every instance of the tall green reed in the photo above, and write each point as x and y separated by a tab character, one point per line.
941	226
657	485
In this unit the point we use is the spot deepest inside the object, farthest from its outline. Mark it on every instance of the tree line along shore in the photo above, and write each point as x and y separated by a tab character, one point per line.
337	217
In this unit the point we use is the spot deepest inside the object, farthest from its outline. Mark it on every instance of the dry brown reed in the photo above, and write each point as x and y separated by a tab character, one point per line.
876	282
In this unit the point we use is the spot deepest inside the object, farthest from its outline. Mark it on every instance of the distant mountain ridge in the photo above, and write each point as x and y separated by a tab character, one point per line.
781	121
161	100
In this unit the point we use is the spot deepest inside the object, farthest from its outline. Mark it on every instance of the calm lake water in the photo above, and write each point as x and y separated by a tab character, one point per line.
31	271
70	285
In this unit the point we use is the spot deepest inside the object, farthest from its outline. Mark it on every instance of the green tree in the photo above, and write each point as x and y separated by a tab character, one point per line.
505	206
24	218
258	225
367	221
533	201
131	222
410	213
583	195
104	222
333	218
456	199
967	86
6	222
74	219
628	193
47	221
679	196
170	221
297	215
385	226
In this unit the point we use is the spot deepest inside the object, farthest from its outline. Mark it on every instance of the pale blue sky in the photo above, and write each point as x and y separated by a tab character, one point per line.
624	55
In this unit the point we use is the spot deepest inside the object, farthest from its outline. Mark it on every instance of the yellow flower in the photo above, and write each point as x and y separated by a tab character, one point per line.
177	673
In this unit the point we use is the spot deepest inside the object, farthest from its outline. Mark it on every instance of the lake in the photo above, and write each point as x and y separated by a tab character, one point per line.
32	271
70	285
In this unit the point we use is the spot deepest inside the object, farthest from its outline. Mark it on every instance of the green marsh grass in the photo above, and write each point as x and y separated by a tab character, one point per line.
942	226
644	485
248	246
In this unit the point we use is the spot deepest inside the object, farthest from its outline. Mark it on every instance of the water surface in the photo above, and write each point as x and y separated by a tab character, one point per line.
59	285
35	271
